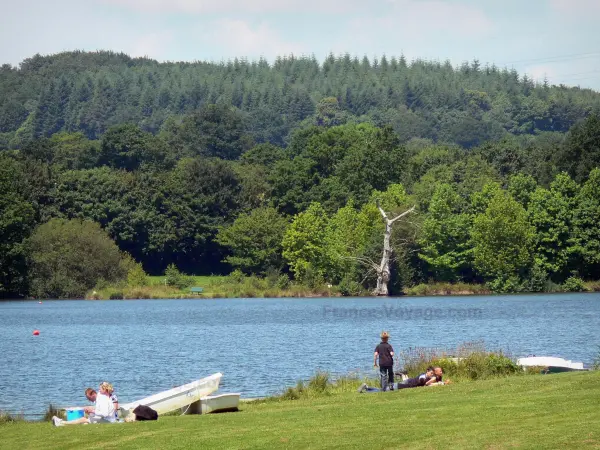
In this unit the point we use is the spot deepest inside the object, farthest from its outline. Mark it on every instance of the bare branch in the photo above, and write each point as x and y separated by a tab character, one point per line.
363	260
381	210
403	214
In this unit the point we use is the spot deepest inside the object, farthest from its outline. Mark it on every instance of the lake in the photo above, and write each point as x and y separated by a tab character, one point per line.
260	345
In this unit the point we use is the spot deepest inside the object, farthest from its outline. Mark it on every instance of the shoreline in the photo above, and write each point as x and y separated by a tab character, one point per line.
314	296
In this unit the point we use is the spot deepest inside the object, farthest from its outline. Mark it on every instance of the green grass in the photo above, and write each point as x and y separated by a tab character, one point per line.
441	288
214	287
546	411
199	280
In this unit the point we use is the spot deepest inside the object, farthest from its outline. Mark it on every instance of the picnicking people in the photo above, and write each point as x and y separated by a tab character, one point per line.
103	410
433	376
91	395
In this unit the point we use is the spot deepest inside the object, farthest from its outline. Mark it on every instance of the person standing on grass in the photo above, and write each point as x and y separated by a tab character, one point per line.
385	354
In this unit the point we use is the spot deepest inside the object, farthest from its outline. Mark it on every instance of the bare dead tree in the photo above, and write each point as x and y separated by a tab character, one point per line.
383	270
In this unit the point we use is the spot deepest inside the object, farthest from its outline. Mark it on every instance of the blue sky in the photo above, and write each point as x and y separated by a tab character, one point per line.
559	39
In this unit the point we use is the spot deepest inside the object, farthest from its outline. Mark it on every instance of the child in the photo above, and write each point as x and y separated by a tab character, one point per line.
385	353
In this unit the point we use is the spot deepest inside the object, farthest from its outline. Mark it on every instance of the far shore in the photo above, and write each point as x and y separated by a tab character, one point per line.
159	292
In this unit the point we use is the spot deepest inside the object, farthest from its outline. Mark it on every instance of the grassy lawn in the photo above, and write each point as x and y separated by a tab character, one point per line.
199	280
547	411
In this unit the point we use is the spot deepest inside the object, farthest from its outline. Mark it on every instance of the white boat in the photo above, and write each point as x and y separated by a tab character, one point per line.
219	403
551	364
176	398
213	404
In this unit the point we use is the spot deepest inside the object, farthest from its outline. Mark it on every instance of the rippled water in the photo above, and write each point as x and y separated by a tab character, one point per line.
260	345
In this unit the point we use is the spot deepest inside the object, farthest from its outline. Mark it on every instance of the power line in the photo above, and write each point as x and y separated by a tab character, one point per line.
575	74
555	58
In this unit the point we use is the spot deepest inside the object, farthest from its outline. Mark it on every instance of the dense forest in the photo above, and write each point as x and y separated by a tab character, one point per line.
276	168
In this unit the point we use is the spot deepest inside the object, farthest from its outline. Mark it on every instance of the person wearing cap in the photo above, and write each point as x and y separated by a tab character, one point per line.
384	352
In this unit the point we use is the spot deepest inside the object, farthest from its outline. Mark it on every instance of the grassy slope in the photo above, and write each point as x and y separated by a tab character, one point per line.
551	411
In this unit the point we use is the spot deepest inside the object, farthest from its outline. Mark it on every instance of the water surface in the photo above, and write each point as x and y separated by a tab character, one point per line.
260	345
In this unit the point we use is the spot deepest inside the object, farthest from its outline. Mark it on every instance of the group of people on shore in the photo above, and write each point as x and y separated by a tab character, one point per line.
105	409
383	357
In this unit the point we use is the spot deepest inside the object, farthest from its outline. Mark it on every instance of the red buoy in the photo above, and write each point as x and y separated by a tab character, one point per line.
36	332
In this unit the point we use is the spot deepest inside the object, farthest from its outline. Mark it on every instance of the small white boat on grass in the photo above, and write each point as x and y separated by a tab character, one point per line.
550	364
176	398
219	403
213	404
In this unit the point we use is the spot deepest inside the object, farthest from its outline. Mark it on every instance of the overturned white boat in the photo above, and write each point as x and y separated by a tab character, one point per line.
550	364
214	404
176	398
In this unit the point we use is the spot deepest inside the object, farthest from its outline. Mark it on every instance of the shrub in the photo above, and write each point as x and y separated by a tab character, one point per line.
177	279
470	361
537	280
136	276
499	365
237	277
596	363
574	284
283	282
350	288
311	277
9	418
319	383
271	278
68	257
511	284
116	295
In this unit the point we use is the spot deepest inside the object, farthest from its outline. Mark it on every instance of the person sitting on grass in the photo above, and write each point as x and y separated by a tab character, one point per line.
102	412
385	353
91	394
427	378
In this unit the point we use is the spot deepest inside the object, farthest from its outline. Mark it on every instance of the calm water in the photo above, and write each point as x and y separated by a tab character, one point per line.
260	345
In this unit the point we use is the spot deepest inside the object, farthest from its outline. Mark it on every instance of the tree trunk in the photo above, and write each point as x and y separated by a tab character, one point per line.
383	271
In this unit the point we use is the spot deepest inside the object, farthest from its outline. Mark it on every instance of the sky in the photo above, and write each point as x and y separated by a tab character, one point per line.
556	39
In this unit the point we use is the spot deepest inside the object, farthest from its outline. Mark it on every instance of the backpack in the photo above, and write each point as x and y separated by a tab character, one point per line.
143	412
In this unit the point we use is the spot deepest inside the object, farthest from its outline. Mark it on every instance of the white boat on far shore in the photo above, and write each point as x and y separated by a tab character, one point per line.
550	364
176	398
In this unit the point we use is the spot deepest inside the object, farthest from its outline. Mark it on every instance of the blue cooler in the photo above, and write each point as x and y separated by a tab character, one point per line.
75	413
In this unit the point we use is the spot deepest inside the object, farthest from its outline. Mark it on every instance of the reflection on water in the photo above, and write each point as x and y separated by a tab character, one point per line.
260	345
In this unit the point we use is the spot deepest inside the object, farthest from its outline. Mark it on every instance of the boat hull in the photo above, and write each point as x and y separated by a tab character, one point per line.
177	398
219	403
550	364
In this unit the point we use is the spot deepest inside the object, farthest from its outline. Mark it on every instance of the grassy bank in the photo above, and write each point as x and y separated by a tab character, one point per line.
236	285
214	287
546	411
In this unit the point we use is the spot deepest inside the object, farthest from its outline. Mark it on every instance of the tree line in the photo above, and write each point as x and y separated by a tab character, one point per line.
208	189
468	105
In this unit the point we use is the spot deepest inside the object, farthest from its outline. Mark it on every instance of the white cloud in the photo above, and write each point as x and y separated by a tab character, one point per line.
237	6
238	37
153	45
418	29
539	72
580	8
425	17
